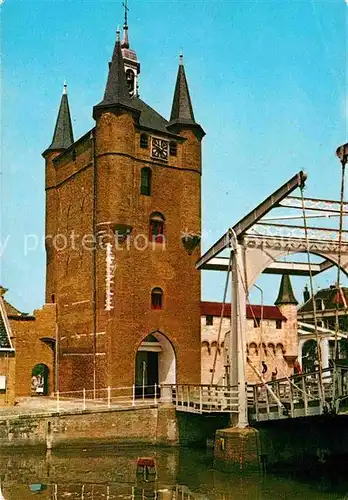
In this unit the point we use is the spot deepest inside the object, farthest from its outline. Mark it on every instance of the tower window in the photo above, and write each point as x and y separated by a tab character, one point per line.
279	324
74	155
144	141
145	182
173	148
257	322
130	78
156	298
209	320
157	227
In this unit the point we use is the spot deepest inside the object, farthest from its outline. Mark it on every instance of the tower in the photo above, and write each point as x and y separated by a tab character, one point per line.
128	214
287	303
63	138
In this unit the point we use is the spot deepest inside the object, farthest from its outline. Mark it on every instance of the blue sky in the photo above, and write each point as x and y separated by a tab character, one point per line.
267	81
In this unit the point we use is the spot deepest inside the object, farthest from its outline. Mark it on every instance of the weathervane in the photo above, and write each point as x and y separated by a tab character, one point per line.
126	9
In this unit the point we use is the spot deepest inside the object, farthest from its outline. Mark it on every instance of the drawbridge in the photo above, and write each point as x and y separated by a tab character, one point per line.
285	223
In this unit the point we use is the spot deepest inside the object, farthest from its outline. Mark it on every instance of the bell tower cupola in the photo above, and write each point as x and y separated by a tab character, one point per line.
131	63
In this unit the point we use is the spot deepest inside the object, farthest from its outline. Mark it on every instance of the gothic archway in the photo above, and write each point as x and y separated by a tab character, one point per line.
155	365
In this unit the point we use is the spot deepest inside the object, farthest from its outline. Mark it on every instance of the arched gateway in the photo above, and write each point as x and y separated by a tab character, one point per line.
155	365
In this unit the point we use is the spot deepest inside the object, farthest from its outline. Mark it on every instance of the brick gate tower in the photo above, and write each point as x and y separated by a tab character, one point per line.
123	223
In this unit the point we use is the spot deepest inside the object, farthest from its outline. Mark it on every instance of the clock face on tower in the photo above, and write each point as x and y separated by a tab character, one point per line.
159	149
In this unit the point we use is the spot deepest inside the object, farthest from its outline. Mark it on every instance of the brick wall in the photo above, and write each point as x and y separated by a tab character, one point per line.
30	350
176	193
278	346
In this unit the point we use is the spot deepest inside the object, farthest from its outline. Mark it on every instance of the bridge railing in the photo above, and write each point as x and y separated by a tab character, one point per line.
299	395
205	398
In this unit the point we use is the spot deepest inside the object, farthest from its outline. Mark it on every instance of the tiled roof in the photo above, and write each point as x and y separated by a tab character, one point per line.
182	111
269	312
4	333
330	297
149	118
116	90
63	135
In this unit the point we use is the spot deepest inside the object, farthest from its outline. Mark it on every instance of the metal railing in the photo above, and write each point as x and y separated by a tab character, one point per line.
109	397
205	398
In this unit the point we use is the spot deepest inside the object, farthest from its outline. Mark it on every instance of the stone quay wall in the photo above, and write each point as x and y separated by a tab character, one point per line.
150	426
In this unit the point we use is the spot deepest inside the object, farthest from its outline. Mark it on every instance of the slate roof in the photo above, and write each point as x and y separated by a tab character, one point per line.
182	111
63	136
329	296
269	312
116	90
149	118
286	294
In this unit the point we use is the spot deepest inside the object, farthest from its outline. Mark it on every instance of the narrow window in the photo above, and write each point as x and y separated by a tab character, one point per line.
209	320
257	322
173	148
145	184
74	155
279	324
157	227
144	141
156	298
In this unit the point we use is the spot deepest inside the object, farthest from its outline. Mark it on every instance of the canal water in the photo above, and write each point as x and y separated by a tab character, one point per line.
180	474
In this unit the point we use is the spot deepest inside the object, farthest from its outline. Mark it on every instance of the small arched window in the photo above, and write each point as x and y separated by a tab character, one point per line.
173	148
157	227
145	181
144	141
156	298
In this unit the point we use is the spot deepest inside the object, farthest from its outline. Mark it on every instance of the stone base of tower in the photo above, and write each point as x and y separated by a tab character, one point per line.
237	450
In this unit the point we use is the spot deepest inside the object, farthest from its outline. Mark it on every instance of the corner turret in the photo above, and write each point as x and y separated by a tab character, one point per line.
182	115
63	136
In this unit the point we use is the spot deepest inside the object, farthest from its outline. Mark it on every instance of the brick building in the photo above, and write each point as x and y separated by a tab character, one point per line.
123	219
26	351
271	337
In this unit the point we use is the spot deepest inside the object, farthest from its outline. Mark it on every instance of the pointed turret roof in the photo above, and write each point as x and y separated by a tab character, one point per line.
63	136
286	294
116	91
182	111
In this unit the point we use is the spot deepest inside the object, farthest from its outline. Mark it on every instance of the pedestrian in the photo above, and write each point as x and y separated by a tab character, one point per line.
274	374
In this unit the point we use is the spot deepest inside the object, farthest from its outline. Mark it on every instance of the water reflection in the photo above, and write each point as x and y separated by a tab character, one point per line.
145	473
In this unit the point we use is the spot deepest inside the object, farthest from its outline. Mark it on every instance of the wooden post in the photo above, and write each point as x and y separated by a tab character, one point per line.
256	402
84	398
133	395
155	394
305	397
200	399
57	394
109	396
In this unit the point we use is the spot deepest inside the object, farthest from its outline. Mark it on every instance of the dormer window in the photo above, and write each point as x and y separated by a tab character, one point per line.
144	141
319	305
